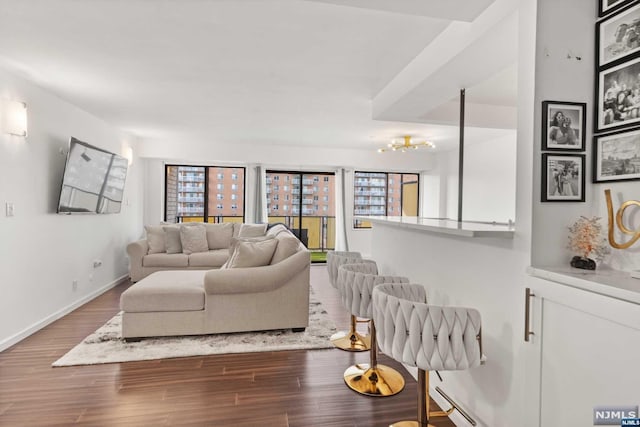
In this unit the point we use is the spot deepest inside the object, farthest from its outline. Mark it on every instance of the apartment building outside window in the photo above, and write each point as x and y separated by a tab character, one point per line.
303	209
371	195
198	193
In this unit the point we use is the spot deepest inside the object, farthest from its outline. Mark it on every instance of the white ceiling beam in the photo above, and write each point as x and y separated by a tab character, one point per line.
463	55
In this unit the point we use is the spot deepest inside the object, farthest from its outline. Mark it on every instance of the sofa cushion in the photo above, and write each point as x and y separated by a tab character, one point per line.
252	230
276	229
155	239
172	239
165	291
219	235
287	246
214	258
252	254
194	238
165	260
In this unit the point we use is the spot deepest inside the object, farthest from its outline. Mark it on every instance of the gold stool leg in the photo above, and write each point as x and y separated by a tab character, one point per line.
423	403
374	379
351	340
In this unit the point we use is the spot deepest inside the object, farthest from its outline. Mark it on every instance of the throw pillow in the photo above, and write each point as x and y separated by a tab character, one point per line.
172	239
236	240
155	239
287	246
252	254
219	235
194	238
252	230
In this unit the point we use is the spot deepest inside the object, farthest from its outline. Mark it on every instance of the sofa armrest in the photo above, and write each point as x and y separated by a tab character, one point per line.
255	279
136	251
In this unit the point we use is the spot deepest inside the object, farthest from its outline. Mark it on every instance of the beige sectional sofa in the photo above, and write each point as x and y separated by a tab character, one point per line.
263	285
162	248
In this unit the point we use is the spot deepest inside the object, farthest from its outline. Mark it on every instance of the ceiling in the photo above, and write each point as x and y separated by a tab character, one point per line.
343	73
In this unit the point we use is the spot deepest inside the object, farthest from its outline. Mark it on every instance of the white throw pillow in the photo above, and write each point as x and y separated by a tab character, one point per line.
252	254
287	246
172	239
219	235
155	239
193	238
252	230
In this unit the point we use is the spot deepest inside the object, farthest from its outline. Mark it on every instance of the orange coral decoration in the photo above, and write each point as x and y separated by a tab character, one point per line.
585	238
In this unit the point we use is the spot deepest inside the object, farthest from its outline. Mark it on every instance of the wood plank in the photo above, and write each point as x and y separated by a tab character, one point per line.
289	388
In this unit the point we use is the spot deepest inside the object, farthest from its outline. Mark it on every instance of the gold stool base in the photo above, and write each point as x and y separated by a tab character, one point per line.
379	381
348	341
409	424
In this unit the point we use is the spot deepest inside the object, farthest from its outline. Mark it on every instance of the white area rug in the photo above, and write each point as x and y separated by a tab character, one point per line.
107	346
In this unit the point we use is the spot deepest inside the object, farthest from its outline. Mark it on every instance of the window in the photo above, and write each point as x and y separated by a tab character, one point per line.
234	187
372	195
234	206
286	187
197	193
275	207
326	179
285	207
234	197
276	197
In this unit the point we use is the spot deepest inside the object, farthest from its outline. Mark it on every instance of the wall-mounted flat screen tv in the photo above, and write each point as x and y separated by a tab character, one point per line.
93	180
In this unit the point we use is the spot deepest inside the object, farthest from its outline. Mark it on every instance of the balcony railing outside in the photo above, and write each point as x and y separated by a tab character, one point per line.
191	199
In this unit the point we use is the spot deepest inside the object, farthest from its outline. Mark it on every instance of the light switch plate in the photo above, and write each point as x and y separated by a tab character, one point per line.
9	209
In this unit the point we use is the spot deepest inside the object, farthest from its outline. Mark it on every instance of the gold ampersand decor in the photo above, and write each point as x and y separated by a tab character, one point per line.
620	223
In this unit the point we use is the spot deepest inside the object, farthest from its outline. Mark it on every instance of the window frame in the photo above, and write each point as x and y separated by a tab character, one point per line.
355	223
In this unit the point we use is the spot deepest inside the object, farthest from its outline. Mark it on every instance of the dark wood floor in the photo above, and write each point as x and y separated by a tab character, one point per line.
288	388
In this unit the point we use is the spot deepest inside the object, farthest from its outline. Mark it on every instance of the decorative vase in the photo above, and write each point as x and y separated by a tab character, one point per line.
583	263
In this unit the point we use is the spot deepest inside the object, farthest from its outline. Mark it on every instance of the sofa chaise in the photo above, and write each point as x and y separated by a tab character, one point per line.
263	285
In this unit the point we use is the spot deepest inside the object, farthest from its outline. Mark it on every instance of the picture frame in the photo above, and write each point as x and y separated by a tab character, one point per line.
616	156
563	177
563	126
618	96
606	7
618	36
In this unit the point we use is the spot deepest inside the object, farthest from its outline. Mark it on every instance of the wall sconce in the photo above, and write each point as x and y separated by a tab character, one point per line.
128	153
13	117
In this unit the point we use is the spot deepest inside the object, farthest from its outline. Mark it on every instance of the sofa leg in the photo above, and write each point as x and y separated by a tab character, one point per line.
298	329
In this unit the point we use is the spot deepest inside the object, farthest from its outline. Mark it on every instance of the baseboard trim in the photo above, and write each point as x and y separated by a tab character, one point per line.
12	340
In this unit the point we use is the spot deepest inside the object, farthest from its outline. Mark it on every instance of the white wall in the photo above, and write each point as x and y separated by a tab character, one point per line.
561	77
489	186
41	253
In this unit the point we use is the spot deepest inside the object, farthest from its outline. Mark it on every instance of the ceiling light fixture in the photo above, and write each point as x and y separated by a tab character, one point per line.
405	144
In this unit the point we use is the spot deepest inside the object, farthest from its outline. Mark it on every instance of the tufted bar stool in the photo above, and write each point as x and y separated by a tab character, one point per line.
349	340
356	283
426	336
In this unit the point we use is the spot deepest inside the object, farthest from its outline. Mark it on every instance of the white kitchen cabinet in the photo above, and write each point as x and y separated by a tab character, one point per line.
584	350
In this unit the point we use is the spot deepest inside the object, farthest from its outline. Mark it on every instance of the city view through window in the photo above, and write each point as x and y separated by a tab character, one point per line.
204	194
304	202
384	194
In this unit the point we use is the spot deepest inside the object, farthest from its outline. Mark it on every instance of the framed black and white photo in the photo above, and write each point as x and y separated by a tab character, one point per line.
618	36
606	7
563	125
616	157
562	177
618	96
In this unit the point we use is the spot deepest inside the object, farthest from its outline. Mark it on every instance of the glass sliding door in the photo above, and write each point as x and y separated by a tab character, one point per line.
304	202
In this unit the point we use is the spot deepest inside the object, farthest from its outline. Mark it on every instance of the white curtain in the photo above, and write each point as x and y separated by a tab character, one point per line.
260	211
341	227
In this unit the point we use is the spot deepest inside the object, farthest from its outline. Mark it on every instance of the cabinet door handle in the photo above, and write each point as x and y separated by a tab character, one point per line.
527	308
